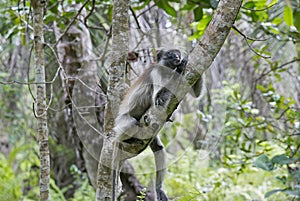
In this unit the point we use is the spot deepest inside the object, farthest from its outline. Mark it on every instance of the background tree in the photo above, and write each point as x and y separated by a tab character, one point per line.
41	107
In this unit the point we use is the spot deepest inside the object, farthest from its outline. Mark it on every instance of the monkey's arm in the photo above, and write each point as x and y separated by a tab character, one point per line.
160	163
134	105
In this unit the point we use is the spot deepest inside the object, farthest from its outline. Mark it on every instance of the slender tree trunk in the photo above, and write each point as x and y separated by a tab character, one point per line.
41	112
116	88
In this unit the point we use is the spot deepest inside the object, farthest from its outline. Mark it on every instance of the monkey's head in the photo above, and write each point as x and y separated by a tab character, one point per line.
170	58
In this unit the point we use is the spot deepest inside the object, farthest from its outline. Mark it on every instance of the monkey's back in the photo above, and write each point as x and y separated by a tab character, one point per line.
138	98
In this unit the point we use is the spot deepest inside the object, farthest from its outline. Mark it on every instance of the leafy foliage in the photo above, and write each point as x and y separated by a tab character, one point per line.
9	183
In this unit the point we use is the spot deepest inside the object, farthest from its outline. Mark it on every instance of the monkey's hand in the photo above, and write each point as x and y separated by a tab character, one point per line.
181	66
162	96
161	196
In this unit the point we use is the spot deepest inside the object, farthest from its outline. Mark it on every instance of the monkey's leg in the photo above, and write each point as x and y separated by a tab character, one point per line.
160	163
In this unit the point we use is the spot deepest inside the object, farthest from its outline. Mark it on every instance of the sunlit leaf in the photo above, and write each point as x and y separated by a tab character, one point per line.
261	88
288	16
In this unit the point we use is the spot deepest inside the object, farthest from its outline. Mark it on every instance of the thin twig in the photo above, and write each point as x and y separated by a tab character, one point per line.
259	10
60	109
135	18
246	38
28	69
145	11
279	67
101	27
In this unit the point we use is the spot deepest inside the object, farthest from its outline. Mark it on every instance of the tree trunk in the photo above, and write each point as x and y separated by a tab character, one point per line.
116	88
41	110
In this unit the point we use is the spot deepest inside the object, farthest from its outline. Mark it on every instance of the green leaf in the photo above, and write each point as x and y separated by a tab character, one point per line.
282	179
281	159
278	76
263	162
288	16
277	21
163	4
296	20
249	5
198	13
261	88
187	7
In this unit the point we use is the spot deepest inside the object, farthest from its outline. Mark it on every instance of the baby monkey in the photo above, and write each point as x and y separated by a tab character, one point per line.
153	87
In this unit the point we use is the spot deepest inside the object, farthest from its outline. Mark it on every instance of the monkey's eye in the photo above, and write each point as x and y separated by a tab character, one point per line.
173	56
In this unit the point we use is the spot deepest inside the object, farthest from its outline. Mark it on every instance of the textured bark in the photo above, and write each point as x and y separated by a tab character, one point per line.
72	49
116	88
41	112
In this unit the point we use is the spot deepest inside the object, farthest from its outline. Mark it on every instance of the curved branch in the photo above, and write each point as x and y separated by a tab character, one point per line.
274	69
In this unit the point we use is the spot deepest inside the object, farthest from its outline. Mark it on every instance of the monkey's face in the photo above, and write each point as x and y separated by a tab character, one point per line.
172	58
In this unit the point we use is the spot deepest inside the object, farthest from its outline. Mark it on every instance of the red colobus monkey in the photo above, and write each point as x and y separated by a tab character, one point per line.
151	88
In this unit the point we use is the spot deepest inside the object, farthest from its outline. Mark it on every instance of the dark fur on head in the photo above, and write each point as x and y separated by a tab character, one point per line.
172	58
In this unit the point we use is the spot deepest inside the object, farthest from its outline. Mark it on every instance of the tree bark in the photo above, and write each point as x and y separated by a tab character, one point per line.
41	111
116	88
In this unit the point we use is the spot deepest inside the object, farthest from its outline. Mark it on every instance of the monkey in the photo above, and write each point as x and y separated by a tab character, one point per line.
153	87
142	94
